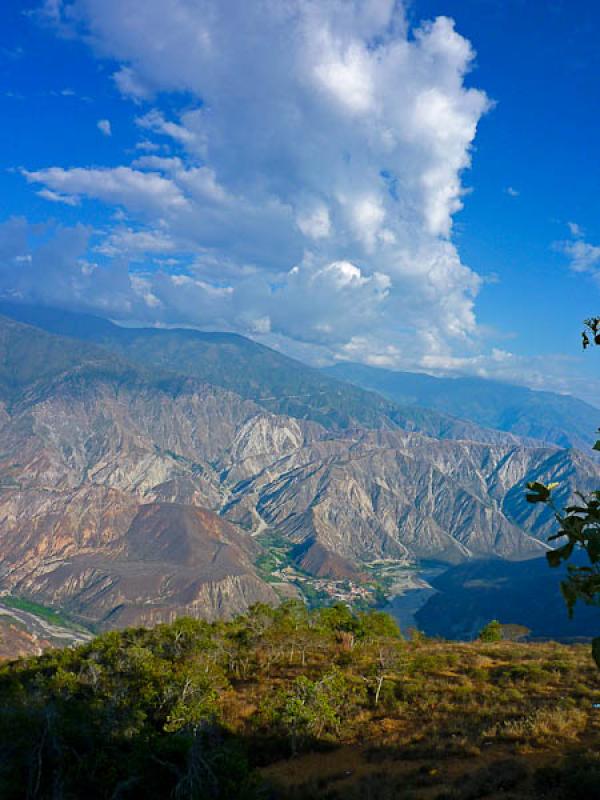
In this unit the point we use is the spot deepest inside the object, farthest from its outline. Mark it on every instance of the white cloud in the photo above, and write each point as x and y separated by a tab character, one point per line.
575	229
158	163
54	268
57	197
346	74
130	84
312	176
512	192
104	127
135	245
315	224
583	256
138	191
147	146
154	121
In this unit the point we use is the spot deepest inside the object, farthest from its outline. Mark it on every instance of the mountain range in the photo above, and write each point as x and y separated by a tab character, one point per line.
143	470
559	419
279	384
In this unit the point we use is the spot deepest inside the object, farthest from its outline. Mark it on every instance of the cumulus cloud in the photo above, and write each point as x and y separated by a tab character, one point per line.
50	264
104	127
309	183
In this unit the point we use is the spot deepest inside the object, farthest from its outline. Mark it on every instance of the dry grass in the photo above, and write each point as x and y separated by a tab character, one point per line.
448	711
544	725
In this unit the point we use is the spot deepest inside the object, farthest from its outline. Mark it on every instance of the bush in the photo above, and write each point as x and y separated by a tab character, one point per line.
314	709
492	632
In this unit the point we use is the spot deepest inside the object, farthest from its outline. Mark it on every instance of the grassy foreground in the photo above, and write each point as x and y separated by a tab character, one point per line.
288	703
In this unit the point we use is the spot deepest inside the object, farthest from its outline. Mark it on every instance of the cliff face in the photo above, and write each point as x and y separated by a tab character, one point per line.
128	496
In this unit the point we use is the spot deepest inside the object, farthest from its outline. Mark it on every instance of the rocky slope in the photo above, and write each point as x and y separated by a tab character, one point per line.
376	495
130	495
169	561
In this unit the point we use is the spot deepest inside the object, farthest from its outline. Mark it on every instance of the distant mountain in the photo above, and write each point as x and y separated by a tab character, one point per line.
525	593
279	384
31	357
558	419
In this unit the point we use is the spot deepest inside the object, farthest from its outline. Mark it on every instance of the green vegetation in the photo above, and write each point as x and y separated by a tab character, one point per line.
31	357
277	382
315	598
492	632
276	555
291	703
496	631
280	384
44	612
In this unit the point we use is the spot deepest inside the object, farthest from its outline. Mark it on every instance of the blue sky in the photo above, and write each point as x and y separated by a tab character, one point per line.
540	62
343	180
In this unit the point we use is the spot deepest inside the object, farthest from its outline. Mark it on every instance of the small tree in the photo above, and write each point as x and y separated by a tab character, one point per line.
580	526
492	632
313	709
378	625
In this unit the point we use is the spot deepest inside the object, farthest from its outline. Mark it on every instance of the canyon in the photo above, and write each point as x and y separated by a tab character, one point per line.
134	490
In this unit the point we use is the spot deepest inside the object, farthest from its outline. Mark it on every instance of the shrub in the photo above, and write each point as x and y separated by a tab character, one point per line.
314	709
492	632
